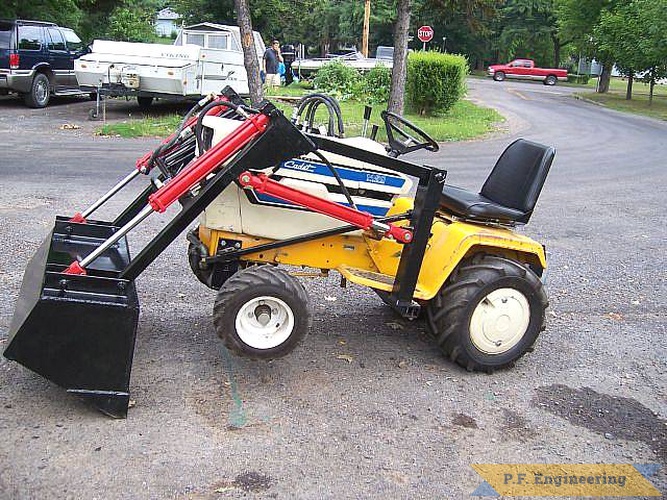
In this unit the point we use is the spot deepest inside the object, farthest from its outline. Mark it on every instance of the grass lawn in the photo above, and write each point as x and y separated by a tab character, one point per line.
639	104
464	121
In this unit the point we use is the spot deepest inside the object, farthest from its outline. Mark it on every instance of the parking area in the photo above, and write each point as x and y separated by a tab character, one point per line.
367	407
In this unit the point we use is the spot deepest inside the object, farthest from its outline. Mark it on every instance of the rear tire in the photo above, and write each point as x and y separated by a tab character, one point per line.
262	313
40	92
489	313
550	80
499	76
144	102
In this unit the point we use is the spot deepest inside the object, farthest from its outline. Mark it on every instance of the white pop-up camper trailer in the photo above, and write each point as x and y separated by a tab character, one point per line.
205	58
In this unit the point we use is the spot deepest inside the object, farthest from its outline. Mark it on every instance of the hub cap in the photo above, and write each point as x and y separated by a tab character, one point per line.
41	91
264	322
499	321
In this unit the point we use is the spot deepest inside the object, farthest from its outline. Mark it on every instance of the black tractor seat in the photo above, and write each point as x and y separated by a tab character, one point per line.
511	190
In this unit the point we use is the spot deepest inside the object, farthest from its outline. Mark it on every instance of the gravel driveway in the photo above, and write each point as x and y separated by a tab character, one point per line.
367	407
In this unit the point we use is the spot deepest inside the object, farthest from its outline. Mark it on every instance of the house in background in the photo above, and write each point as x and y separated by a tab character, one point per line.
167	22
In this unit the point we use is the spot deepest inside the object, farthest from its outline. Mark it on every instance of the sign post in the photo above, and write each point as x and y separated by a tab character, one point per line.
425	34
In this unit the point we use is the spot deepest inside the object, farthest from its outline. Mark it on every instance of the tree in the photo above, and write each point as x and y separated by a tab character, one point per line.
470	27
653	19
401	29
250	58
132	22
576	21
529	25
63	12
633	32
617	33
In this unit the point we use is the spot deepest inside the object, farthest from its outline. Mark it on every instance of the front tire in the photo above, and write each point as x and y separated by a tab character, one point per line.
499	76
262	313
489	313
40	92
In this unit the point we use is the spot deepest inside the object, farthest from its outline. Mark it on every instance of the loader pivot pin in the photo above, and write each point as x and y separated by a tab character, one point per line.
263	184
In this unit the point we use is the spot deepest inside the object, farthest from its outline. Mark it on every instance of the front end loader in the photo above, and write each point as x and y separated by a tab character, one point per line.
269	194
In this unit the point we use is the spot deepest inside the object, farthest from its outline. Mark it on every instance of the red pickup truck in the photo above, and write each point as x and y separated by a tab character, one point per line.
525	69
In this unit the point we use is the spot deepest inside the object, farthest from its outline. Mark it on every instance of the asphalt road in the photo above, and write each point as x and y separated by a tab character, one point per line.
366	407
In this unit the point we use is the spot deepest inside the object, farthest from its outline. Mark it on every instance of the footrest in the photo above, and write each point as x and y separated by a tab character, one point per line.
377	281
368	278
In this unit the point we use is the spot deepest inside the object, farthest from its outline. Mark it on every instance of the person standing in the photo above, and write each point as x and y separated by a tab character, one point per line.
272	58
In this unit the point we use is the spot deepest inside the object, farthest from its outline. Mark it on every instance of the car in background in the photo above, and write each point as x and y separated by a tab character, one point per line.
37	60
525	69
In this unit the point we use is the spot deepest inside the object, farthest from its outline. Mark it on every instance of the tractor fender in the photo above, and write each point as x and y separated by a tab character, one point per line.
454	242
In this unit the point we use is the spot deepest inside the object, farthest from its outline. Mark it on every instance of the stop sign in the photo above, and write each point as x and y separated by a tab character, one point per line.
425	34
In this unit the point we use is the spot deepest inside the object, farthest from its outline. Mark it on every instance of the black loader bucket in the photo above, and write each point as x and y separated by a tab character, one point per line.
78	330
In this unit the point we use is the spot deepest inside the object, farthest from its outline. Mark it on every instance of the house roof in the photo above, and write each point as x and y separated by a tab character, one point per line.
206	26
168	14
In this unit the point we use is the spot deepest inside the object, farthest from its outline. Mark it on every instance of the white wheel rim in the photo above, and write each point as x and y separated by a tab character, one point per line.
499	321
264	322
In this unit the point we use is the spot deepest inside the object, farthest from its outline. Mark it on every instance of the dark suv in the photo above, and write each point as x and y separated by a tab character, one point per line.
37	60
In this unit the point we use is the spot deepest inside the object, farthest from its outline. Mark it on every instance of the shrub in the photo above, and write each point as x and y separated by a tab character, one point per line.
376	85
575	78
435	81
338	79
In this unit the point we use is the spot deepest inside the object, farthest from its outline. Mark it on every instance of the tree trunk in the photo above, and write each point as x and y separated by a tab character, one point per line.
250	56
651	87
557	47
605	77
399	71
628	90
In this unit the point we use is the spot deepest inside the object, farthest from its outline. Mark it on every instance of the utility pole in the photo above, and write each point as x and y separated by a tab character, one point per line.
366	28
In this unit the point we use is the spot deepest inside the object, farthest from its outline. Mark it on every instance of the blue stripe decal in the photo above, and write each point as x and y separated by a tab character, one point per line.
311	167
373	210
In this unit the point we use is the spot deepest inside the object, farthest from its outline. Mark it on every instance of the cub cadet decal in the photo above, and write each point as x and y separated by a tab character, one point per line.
346	173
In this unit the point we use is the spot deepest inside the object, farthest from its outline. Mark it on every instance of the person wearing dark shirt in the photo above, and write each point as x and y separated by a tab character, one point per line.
272	58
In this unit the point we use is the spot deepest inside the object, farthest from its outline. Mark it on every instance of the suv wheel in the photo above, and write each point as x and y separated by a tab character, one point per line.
40	92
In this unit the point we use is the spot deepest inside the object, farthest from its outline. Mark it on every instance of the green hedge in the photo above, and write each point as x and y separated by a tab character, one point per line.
435	81
338	79
574	78
344	82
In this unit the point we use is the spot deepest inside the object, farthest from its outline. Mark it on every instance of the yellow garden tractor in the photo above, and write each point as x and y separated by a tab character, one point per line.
270	195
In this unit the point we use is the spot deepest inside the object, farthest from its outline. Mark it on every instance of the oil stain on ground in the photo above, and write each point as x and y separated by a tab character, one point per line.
613	416
515	426
248	482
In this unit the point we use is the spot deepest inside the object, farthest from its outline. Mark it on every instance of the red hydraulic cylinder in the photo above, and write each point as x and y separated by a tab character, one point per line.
263	184
204	165
142	163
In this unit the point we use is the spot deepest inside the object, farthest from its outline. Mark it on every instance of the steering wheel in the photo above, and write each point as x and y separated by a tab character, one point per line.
401	135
